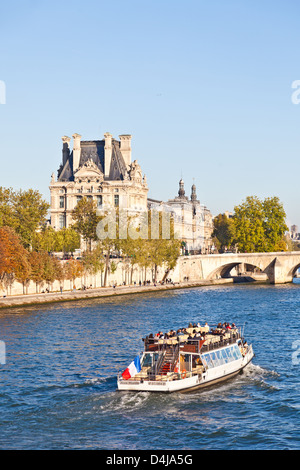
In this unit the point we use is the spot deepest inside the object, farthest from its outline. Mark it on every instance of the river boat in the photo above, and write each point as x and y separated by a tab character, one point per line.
189	359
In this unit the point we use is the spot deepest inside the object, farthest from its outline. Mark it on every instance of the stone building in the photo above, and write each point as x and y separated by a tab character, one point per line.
193	222
101	170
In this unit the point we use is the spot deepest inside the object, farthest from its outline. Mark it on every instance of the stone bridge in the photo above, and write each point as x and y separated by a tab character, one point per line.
275	268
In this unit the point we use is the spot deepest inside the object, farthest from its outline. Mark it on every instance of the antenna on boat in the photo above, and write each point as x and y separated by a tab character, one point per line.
243	329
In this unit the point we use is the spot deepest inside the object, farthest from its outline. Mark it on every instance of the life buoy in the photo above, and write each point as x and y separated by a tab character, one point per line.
183	374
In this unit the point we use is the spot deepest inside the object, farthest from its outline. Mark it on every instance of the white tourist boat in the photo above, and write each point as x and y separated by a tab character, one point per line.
189	359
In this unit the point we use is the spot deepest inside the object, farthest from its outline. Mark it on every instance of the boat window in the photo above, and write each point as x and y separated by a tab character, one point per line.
147	360
225	356
207	361
220	358
236	351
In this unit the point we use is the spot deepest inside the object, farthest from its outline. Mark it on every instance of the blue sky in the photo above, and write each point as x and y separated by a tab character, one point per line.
204	87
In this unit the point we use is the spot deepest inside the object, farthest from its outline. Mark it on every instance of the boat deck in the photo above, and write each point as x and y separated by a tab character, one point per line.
208	339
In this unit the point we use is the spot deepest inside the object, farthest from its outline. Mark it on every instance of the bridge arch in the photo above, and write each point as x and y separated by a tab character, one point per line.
242	269
292	272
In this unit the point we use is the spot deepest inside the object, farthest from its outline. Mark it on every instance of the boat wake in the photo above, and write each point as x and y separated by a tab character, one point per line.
255	371
124	401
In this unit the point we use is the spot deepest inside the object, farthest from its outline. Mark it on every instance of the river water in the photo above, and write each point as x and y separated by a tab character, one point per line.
58	386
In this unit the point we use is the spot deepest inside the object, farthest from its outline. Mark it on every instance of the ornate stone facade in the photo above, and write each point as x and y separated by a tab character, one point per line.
101	170
193	222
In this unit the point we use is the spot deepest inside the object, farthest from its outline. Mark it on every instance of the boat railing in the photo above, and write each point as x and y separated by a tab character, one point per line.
210	346
175	356
153	372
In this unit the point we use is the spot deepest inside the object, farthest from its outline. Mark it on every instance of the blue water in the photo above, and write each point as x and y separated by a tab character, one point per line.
58	386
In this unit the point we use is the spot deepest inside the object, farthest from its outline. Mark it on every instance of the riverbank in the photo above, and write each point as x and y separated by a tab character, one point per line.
67	296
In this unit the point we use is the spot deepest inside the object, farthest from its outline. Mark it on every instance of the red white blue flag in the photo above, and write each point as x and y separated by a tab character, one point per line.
133	369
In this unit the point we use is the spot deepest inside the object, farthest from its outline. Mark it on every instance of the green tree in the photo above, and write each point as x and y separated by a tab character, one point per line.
93	261
86	220
50	271
23	211
67	240
274	224
6	208
45	240
259	225
224	231
29	213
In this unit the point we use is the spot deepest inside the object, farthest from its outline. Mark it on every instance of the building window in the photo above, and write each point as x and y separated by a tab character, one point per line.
61	202
117	200
62	221
99	201
78	198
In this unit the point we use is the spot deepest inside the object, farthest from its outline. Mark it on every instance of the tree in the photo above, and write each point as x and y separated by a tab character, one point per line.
67	240
73	270
164	250
6	209
274	224
93	261
13	256
23	211
36	260
86	220
45	240
23	271
50	271
259	225
29	213
223	231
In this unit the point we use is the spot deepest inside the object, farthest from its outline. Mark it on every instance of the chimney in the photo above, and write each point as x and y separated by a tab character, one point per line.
76	151
125	148
107	153
66	149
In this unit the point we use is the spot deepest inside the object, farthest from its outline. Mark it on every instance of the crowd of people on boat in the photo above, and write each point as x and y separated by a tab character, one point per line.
193	331
223	328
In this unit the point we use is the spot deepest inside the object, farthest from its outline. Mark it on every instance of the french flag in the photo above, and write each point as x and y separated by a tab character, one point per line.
133	369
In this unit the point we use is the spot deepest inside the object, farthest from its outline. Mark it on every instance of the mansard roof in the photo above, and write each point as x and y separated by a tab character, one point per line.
94	151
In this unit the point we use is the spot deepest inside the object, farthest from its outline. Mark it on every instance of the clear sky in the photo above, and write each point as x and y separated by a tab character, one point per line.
204	87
